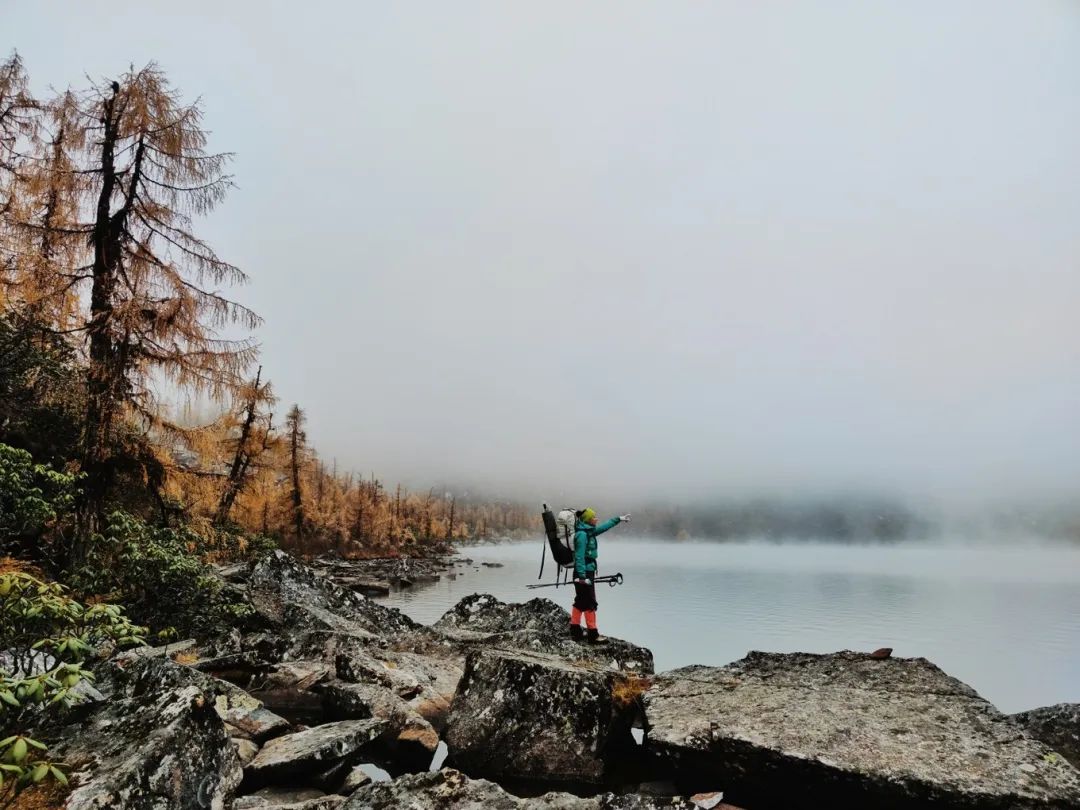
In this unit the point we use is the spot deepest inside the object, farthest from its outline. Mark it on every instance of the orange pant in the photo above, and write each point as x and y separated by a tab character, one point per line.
590	617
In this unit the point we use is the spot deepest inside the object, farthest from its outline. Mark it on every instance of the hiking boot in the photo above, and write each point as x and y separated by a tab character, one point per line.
576	632
593	637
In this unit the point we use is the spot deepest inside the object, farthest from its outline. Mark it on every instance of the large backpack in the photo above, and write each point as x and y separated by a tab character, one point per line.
560	530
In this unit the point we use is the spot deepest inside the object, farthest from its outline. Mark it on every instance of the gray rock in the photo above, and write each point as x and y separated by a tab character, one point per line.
364	585
164	651
427	681
290	594
157	744
313	750
257	723
483	613
449	789
355	779
245	714
1057	726
537	717
276	798
245	749
846	731
281	801
539	626
297	675
411	741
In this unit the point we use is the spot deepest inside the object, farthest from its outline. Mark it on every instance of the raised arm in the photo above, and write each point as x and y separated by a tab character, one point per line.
607	524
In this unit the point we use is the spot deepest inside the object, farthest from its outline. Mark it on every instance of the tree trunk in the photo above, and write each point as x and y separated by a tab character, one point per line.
100	407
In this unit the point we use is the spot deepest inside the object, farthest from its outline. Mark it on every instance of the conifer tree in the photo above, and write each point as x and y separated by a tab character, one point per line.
18	125
46	238
254	439
294	424
18	122
150	313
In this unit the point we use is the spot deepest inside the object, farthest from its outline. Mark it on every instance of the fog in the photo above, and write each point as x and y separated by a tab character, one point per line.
625	251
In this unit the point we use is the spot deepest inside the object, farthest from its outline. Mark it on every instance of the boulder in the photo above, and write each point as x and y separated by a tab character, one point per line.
484	614
257	723
539	626
313	750
289	594
245	715
411	740
297	674
537	717
846	731
1057	726
158	744
427	681
449	789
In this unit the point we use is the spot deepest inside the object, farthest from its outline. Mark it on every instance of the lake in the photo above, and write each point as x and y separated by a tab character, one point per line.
1004	620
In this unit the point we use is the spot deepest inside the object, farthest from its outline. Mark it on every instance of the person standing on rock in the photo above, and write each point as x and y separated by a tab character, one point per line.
585	551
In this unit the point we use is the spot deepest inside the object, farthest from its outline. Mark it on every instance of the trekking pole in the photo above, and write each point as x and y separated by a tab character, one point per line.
611	580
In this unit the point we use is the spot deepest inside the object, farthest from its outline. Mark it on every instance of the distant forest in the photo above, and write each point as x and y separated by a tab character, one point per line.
852	520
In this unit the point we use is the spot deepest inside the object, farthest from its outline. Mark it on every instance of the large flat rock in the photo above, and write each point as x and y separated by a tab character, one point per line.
846	731
313	749
537	717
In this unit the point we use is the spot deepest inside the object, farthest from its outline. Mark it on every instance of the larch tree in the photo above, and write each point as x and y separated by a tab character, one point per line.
294	425
18	120
46	234
18	125
153	314
254	436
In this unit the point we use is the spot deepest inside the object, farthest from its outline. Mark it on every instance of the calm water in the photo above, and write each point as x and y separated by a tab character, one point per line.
1006	621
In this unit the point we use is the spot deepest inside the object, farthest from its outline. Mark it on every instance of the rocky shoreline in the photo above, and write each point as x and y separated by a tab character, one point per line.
324	698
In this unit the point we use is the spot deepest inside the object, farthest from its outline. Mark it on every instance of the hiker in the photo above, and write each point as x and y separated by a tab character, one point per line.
586	529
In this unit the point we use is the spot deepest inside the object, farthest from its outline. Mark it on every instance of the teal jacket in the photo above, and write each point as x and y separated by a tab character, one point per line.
585	547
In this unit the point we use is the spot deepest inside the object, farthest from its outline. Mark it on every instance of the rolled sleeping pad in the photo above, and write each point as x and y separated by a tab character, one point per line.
550	526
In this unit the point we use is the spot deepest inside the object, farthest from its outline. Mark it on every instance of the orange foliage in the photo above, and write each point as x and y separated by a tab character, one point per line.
628	689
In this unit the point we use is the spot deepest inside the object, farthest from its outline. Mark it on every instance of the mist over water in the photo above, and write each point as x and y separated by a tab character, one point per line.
1006	621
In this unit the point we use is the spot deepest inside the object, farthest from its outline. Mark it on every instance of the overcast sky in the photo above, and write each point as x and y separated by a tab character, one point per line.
603	250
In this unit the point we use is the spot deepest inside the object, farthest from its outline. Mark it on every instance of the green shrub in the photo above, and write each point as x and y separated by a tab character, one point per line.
32	496
46	637
158	574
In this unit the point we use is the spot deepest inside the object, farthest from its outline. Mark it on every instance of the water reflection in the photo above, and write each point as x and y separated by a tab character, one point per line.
1005	621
